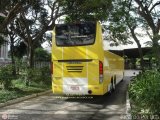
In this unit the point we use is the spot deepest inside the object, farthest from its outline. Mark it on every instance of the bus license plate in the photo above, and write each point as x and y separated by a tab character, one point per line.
75	88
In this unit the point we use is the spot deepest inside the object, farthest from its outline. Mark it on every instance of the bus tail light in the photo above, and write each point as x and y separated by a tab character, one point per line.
52	68
100	72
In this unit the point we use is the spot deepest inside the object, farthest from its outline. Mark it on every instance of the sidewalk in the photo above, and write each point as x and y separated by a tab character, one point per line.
131	72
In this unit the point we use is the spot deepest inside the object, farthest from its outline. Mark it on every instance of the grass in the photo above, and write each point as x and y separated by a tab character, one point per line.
19	89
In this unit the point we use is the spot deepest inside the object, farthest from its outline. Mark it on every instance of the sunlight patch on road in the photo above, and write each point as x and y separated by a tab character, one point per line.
112	109
63	112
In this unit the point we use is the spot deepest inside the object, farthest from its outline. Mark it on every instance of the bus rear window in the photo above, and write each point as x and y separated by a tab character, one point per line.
75	34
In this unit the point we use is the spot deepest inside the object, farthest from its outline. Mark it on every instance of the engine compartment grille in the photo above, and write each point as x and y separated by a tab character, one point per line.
74	68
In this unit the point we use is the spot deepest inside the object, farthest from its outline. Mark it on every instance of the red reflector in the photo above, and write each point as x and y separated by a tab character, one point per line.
100	67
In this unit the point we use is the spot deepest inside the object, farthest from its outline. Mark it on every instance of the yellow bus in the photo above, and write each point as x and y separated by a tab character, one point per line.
80	64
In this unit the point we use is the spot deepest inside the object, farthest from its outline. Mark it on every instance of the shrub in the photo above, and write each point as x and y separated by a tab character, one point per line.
144	92
6	76
31	75
45	75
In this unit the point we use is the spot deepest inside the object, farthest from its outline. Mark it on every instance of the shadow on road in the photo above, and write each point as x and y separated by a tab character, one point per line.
116	97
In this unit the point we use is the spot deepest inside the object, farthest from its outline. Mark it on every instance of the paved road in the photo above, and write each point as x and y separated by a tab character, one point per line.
51	107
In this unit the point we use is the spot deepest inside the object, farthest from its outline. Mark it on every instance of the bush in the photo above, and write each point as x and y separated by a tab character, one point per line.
29	76
144	92
38	75
45	75
6	76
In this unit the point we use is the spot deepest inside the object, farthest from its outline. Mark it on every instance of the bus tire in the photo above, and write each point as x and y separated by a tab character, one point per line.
115	82
113	87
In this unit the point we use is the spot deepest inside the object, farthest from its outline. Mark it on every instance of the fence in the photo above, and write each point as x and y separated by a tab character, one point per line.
41	64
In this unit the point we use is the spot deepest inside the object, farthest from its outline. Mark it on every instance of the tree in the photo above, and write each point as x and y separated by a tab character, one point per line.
32	22
133	22
12	39
20	49
149	11
9	9
132	30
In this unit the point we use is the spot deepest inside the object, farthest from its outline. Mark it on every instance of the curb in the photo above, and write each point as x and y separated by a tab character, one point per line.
10	102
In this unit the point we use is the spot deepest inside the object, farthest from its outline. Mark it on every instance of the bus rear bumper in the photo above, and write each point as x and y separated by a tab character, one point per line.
77	90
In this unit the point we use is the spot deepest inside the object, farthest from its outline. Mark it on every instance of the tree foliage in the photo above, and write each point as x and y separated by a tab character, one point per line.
42	55
37	17
9	9
89	10
32	18
20	49
32	23
128	16
116	28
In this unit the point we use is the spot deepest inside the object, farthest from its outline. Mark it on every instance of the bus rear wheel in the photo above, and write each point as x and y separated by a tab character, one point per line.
112	86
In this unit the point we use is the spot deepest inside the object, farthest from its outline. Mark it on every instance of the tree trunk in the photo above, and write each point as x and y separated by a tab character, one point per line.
141	55
12	57
156	49
30	61
31	56
139	48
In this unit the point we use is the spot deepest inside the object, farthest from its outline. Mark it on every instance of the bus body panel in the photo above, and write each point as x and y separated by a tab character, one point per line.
116	65
76	68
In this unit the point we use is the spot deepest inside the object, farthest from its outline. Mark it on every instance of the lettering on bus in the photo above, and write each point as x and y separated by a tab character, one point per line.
75	88
74	62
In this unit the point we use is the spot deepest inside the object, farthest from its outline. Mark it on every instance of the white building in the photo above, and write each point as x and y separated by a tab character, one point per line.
4	49
4	53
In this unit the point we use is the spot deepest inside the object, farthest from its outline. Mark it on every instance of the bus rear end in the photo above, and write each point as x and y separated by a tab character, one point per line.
77	58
